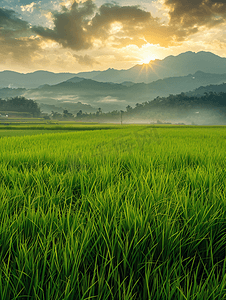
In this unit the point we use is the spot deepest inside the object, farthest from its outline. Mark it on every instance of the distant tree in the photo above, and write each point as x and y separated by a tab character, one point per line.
121	113
67	115
139	105
99	111
114	112
55	115
79	113
20	104
129	108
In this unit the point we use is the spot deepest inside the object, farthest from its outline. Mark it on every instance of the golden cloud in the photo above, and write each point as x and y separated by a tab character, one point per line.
86	60
81	25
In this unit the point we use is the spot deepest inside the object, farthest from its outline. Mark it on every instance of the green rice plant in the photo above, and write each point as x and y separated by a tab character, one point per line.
130	213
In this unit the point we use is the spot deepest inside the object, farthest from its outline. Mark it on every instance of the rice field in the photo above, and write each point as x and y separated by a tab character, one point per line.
126	212
23	132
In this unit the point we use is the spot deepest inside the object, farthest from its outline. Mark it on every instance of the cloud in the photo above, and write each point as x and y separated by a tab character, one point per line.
108	31
16	39
195	13
131	21
83	25
11	24
70	26
109	99
86	60
29	7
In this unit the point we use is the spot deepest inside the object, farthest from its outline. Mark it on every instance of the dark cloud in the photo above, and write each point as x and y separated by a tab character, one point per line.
190	14
10	24
86	60
15	37
137	27
132	23
129	16
84	25
70	26
80	26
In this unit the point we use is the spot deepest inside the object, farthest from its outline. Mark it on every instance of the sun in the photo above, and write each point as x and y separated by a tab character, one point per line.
147	59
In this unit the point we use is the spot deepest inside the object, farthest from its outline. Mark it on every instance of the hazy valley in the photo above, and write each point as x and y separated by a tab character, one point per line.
190	73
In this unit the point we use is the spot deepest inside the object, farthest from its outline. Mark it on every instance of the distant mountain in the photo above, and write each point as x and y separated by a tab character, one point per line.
88	75
9	92
97	94
214	88
31	80
111	96
59	106
128	83
171	66
75	79
209	109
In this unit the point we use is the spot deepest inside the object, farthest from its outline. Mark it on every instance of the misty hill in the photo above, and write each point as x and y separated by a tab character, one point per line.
128	83
212	88
31	80
209	109
88	91
9	92
171	66
88	75
111	96
86	84
73	107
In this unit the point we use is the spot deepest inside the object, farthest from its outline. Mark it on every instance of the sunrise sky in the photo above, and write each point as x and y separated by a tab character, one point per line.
74	36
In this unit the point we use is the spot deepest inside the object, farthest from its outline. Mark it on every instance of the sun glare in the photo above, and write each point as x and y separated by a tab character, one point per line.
147	59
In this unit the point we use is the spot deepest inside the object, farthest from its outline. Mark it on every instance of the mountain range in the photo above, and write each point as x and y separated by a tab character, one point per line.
12	79
110	96
212	88
115	89
171	66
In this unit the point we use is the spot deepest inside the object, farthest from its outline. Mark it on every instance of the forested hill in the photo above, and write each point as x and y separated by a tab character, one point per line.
207	100
212	88
20	104
209	109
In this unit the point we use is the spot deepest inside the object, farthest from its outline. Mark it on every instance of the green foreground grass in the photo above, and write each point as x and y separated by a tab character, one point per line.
135	213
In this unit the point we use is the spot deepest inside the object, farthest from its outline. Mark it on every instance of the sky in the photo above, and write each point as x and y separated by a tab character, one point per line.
85	35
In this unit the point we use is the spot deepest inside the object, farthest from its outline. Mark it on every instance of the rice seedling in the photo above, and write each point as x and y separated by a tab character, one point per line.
130	213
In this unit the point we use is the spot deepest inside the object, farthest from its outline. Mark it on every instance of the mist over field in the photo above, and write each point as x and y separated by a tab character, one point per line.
87	95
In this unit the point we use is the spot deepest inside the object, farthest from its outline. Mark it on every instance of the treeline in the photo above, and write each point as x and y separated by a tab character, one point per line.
208	100
207	109
20	104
